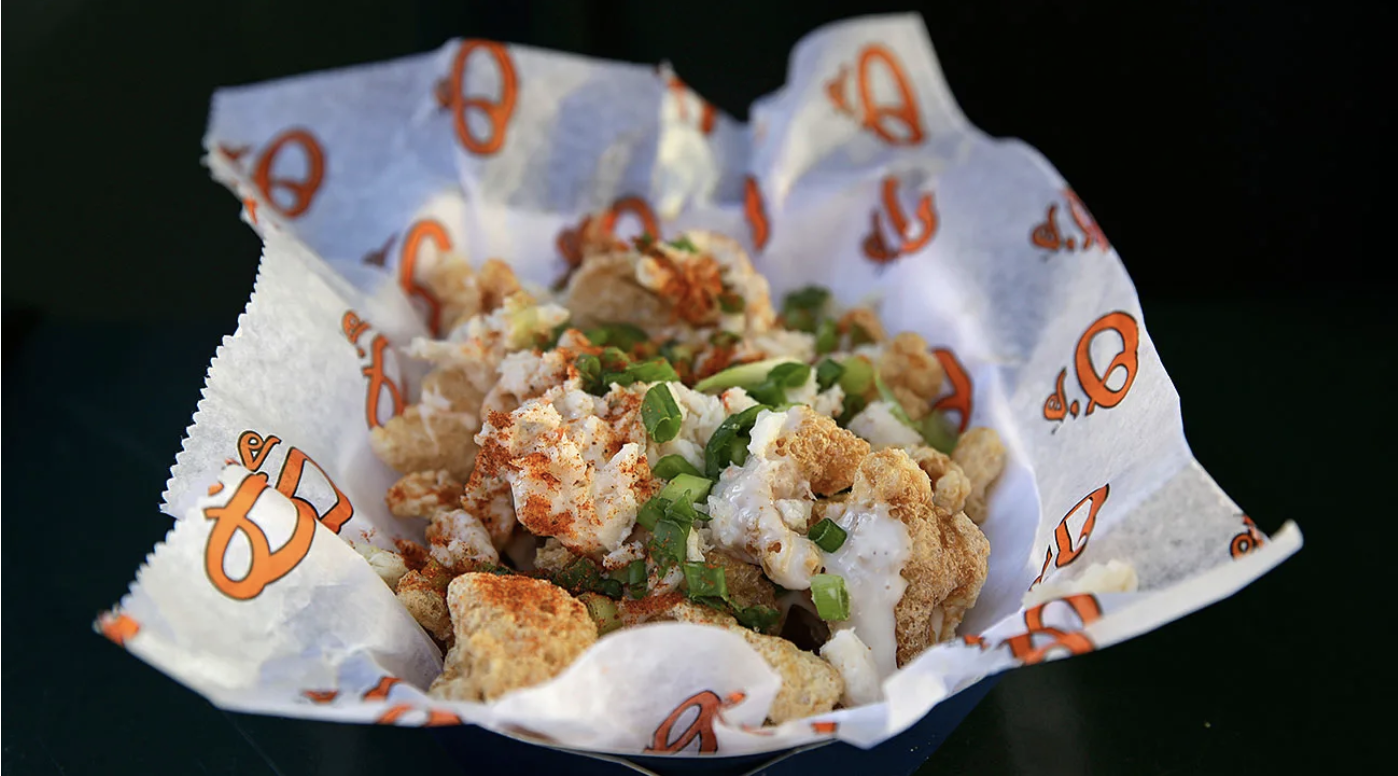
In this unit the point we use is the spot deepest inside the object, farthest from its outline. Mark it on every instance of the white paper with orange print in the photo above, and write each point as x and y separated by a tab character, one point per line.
861	174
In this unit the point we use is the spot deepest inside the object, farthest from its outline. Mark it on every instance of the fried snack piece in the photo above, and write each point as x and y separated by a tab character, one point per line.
457	539
947	566
865	319
981	455
422	439
605	290
950	485
809	684
759	512
825	454
670	288
747	585
510	632
423	594
463	292
388	565
552	556
423	494
574	464
910	370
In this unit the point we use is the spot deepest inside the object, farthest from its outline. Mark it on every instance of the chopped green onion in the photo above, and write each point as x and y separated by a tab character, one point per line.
582	575
550	341
588	365
830	596
895	408
808	298
614	359
660	414
656	370
858	376
852	405
738	450
858	335
683	243
789	375
635	579
827	337
603	611
827	373
669	541
827	535
674	351
757	617
800	320
666	468
705	580
731	303
645	240
683	511
695	486
721	446
938	432
748	375
724	339
622	335
651	512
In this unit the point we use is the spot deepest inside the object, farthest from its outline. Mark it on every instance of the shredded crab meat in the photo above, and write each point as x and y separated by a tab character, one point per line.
574	464
760	511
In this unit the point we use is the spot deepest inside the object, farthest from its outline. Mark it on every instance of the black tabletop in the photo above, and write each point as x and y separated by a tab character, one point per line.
1227	150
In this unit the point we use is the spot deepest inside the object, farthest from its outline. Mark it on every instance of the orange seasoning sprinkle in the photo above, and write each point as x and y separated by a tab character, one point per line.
414	554
692	286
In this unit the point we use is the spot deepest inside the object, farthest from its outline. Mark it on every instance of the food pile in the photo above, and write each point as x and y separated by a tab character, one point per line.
660	443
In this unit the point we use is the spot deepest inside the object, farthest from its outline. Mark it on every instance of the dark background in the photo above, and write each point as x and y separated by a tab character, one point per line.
1227	149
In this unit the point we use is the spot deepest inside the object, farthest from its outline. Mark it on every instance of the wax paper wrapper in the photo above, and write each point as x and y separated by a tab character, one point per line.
860	174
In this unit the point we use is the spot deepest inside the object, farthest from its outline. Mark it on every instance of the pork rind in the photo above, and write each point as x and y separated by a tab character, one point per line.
949	553
510	632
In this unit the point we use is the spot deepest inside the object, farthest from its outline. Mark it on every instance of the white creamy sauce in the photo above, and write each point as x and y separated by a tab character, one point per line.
757	505
855	662
871	561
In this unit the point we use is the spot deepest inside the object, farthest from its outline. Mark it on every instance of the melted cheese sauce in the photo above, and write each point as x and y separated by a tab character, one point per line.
871	561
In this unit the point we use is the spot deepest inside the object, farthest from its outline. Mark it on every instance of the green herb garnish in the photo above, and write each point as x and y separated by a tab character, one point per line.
827	372
827	535
660	414
730	434
830	596
666	468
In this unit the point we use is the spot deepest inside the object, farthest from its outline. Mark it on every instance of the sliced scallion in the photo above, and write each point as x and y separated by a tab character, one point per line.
831	597
666	468
827	535
660	414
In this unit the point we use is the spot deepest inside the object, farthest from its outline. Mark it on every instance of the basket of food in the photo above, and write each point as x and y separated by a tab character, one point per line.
568	407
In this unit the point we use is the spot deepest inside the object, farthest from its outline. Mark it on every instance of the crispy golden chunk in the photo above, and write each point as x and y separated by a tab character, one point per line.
419	440
511	632
825	454
423	594
552	556
947	565
865	319
809	684
981	455
910	370
747	585
605	290
423	494
950	485
450	387
388	565
463	292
